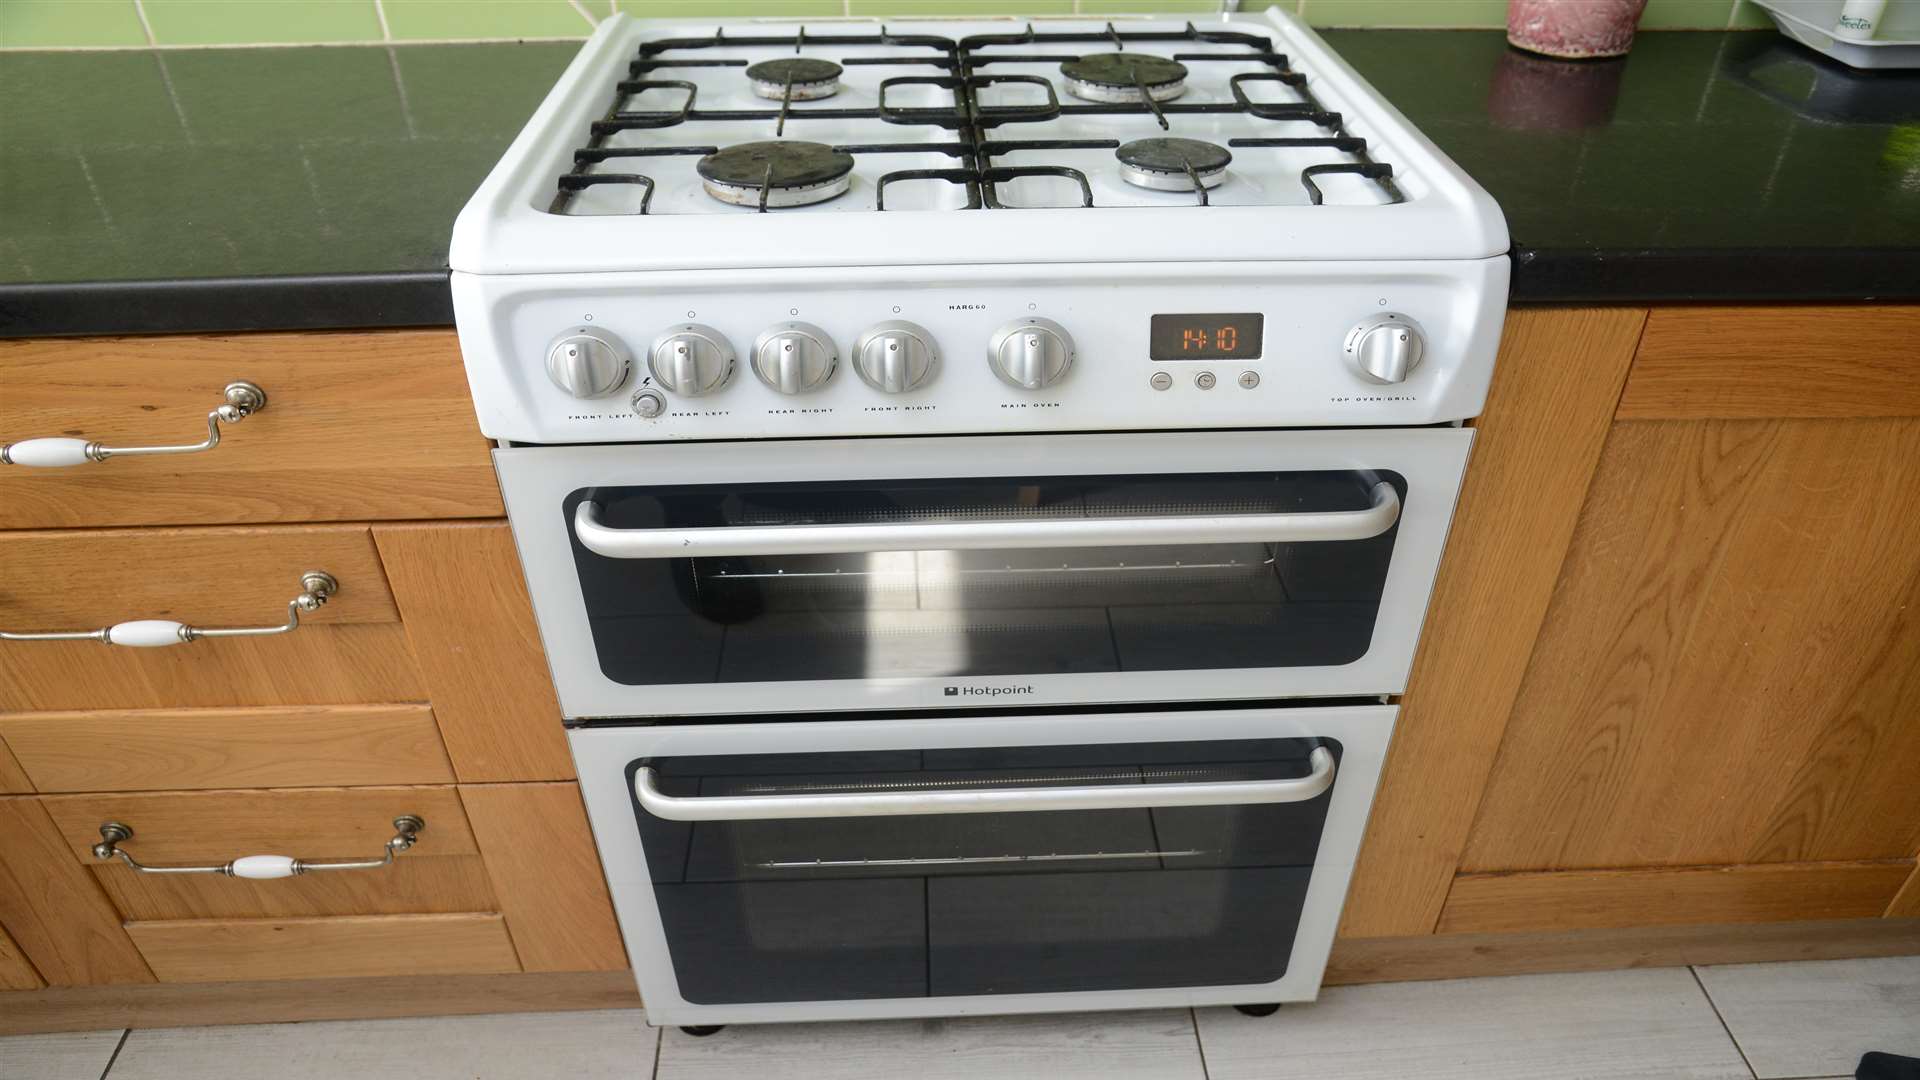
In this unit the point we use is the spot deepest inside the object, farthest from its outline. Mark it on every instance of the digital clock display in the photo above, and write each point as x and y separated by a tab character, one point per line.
1234	336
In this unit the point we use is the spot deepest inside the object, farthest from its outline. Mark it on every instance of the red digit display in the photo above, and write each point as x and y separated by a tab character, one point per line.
1231	336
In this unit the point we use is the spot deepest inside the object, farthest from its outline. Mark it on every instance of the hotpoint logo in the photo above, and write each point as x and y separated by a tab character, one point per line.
987	691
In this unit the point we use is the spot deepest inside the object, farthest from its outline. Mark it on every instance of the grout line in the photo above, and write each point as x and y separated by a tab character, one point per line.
659	1045
1194	1019
140	9
592	19
380	12
1711	1004
115	1056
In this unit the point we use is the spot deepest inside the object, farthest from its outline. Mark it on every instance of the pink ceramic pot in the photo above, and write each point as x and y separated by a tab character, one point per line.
1573	29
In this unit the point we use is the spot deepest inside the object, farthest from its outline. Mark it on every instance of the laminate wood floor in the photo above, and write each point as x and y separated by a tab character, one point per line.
1790	1021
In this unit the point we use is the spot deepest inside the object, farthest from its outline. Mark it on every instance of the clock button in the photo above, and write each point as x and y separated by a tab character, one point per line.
1204	380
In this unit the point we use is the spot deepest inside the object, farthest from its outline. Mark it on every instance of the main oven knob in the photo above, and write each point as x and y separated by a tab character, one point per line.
895	356
587	363
691	360
1386	348
794	357
1031	353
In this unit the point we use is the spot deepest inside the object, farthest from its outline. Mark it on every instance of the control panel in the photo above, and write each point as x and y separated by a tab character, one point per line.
634	357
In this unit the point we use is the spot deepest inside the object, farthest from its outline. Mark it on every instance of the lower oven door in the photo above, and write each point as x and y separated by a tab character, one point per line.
727	578
944	866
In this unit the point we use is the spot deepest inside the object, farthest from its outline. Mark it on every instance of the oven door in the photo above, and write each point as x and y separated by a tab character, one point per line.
719	578
943	866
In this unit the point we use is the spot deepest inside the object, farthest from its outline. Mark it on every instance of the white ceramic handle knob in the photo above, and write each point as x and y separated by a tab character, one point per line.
146	633
54	453
263	867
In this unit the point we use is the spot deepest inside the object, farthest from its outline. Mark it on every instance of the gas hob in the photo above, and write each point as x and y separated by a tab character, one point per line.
742	229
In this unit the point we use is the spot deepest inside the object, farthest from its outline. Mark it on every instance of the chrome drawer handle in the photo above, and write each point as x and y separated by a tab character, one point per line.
316	587
987	801
406	833
243	400
602	539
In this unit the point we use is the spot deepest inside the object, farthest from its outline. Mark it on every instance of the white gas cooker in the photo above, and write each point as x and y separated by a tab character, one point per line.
751	229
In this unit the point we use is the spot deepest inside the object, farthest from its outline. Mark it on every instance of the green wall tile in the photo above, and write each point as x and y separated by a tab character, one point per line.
1449	13
458	20
1686	15
251	22
731	9
932	8
1169	7
1748	15
67	23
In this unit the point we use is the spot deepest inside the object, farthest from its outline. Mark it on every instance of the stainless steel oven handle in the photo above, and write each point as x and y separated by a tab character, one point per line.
982	535
1000	801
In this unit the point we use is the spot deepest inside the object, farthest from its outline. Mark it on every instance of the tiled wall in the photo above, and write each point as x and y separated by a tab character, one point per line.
41	24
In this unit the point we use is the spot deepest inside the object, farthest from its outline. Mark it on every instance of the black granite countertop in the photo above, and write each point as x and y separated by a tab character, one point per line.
236	189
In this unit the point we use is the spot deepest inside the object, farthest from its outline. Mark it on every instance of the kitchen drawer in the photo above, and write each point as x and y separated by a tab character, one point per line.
176	749
350	650
357	426
204	950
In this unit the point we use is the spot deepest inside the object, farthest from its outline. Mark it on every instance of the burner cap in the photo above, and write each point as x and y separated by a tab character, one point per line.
795	173
809	79
1119	77
1161	163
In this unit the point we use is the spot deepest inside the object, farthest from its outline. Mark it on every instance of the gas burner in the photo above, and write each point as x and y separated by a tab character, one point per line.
795	78
772	175
1170	164
1118	78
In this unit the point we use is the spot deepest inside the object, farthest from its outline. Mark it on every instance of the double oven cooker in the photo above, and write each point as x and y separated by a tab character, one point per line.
980	484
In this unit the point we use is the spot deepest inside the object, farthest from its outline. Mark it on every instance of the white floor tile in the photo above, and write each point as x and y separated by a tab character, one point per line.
1613	1025
611	1045
1156	1045
68	1055
1815	1017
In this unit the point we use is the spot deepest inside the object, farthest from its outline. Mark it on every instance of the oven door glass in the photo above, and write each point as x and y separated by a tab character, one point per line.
934	578
860	875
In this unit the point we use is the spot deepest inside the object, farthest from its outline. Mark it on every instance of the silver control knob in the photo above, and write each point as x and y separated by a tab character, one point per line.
1031	353
895	356
1386	348
794	357
691	360
587	363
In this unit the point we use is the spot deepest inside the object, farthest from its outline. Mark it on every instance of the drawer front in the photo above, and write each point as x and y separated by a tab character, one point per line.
175	749
246	949
356	426
351	649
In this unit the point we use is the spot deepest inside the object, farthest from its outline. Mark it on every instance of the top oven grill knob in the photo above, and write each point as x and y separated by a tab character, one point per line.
1386	348
1031	353
587	363
691	360
895	356
794	358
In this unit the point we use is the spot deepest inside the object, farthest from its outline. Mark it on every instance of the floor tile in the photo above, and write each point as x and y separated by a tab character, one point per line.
611	1045
1595	1026
1815	1017
68	1055
1157	1045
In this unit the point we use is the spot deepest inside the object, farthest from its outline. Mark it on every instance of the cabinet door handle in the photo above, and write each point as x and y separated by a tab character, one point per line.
406	833
316	586
243	400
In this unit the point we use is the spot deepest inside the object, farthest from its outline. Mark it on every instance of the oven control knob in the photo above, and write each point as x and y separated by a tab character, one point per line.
587	363
795	357
1386	348
691	360
895	356
1031	353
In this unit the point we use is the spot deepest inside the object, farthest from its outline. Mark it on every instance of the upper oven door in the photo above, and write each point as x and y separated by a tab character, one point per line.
864	574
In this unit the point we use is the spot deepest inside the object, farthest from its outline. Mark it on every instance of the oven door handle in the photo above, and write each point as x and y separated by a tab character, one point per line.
985	801
728	540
